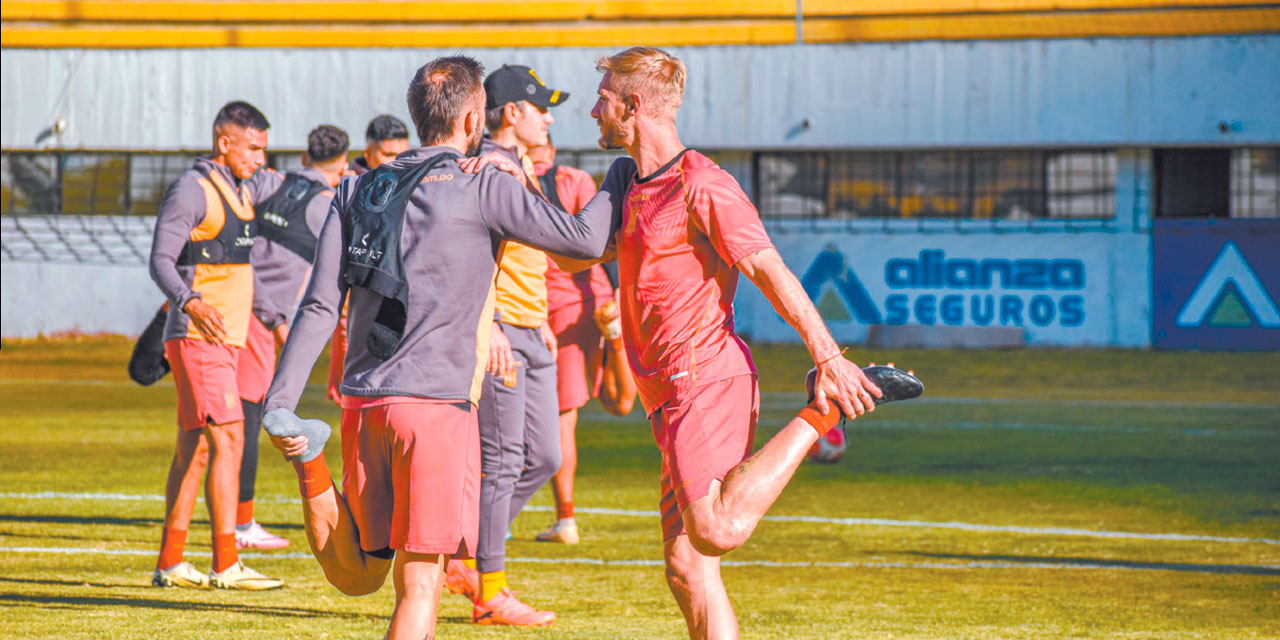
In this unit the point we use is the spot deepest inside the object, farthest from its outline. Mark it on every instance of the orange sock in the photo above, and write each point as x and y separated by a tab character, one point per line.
313	477
821	422
564	510
244	512
172	544
224	551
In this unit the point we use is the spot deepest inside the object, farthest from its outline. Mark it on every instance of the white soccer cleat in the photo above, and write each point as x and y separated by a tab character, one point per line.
562	531
258	538
238	576
183	574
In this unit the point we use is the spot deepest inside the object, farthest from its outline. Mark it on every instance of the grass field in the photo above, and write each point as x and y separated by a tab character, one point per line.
1033	494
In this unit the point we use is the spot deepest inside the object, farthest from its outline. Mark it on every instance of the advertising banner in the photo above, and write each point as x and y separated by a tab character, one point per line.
1216	285
1069	289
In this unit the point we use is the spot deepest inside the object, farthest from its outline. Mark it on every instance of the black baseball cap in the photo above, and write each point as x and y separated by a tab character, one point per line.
513	83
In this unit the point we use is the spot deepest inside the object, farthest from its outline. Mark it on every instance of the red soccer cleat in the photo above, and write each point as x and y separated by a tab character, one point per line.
505	609
462	580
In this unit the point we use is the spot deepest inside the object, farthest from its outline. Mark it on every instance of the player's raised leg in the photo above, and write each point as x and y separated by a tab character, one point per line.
331	528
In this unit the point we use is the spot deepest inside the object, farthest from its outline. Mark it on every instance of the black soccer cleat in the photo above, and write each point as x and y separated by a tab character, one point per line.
895	383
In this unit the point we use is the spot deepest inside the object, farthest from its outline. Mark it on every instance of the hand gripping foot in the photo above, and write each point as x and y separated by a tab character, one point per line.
895	383
283	423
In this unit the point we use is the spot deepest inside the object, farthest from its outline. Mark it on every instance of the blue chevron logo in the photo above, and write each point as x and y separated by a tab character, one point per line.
830	266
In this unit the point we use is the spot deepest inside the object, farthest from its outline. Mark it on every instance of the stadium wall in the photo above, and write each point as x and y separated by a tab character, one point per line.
1118	91
1129	94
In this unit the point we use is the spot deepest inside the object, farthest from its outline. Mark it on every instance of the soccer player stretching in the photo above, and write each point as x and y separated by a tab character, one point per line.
687	230
414	245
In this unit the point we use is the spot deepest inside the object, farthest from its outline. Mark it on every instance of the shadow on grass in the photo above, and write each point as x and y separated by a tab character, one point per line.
76	583
45	536
125	522
75	602
43	519
1105	563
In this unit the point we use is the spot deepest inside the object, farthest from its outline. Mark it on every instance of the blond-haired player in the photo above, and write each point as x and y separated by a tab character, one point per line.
687	230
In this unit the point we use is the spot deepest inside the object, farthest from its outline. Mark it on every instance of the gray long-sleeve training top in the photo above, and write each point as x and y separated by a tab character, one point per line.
281	272
454	227
182	210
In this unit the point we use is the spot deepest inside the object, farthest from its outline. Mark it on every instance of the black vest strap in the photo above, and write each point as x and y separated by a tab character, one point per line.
282	218
233	242
372	226
548	182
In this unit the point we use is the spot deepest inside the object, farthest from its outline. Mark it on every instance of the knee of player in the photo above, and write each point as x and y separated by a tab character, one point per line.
547	463
715	538
355	583
623	406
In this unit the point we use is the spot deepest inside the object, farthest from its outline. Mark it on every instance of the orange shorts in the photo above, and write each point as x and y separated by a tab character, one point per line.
257	362
206	379
411	474
703	436
578	339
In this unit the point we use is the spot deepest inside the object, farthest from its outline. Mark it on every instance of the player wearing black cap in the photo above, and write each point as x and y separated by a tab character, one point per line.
518	410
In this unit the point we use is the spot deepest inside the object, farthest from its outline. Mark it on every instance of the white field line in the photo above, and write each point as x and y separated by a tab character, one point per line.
791	397
1264	569
850	522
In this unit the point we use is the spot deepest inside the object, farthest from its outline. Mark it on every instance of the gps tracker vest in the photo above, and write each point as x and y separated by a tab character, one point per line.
233	242
372	228
282	218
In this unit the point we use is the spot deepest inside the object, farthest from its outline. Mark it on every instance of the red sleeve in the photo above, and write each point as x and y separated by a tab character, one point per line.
720	209
575	187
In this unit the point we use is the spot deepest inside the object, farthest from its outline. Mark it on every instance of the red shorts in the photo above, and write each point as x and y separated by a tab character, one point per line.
206	379
419	496
578	338
703	436
257	362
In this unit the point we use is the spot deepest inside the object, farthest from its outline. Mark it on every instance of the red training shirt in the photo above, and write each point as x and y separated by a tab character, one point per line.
683	230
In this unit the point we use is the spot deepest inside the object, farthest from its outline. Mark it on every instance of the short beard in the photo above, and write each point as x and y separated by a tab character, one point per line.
473	144
610	139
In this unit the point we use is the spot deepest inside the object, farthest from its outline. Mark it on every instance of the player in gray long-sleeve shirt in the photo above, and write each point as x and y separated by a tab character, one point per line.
416	503
200	260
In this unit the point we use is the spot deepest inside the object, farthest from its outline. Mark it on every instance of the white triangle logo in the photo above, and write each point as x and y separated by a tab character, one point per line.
1229	267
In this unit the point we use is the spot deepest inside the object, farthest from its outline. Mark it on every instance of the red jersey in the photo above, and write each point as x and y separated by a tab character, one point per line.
683	230
574	188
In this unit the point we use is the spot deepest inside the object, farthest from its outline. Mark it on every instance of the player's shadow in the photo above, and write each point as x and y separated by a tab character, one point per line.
75	602
76	583
46	536
1107	563
113	520
50	519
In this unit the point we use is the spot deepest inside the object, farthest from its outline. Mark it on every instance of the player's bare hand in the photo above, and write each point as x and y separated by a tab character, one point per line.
501	360
549	338
476	163
844	382
290	446
282	334
207	321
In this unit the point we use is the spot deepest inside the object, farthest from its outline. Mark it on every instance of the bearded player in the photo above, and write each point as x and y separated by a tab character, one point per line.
687	230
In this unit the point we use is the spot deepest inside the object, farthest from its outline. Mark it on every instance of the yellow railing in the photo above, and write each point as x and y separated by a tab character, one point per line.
560	23
449	11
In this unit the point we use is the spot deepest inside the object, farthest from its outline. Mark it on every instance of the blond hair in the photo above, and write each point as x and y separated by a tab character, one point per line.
655	75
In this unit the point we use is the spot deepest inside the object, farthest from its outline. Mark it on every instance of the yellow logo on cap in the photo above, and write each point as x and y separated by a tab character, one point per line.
535	77
555	96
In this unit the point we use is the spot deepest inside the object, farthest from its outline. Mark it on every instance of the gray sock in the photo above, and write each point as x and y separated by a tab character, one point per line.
284	423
